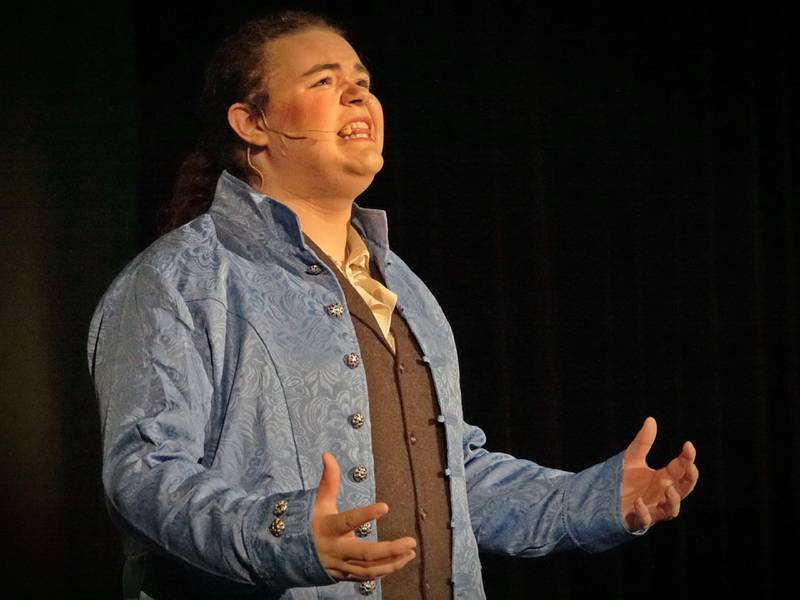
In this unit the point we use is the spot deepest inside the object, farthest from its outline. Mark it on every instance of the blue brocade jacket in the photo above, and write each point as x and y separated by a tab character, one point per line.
221	381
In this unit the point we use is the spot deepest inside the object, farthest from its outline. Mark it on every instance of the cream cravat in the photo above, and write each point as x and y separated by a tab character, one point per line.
380	299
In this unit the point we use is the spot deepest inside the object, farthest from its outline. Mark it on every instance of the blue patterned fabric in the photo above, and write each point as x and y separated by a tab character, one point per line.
221	380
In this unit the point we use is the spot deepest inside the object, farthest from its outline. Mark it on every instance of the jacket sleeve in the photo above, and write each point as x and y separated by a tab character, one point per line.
520	508
154	395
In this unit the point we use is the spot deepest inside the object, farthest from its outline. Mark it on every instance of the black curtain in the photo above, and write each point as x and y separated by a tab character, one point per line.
602	200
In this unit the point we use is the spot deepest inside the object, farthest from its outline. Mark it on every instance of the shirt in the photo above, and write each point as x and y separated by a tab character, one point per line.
380	299
222	377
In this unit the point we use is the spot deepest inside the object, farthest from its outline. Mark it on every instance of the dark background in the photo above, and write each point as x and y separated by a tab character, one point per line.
602	199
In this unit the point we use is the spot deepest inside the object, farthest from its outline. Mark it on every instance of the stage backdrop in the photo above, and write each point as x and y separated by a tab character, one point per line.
602	200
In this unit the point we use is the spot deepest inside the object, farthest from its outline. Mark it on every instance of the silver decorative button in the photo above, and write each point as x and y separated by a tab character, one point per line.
360	473
314	269
365	588
357	420
335	310
364	530
280	507
352	360
277	527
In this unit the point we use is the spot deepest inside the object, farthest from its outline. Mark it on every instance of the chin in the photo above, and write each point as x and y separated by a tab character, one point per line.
375	162
378	164
367	167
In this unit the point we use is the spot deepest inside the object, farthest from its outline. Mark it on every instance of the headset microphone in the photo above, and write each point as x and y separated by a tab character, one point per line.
290	136
328	134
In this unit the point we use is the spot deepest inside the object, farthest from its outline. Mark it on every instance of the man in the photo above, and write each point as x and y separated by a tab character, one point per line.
279	328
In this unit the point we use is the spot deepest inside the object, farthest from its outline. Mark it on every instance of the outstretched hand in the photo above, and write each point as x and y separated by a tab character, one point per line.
649	495
342	555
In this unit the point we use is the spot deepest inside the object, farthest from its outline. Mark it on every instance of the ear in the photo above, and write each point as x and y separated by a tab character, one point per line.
242	121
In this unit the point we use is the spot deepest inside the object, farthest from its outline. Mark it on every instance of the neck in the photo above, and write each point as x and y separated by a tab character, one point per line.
325	223
323	218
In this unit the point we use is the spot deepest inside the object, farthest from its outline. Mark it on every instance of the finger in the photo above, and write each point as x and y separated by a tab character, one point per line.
347	521
336	573
672	504
686	484
351	577
642	513
329	483
676	468
353	549
373	570
641	444
689	452
376	563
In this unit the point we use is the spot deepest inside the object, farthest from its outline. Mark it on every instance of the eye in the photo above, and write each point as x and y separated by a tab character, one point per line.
365	83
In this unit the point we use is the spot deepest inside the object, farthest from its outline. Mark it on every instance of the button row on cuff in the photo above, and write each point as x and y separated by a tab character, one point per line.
365	588
277	527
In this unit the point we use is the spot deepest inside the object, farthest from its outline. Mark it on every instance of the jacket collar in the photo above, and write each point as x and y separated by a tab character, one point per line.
258	220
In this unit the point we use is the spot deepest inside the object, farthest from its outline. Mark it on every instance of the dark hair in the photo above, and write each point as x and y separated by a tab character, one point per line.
236	72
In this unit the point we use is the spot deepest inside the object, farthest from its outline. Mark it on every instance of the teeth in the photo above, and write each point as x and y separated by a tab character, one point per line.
356	135
348	129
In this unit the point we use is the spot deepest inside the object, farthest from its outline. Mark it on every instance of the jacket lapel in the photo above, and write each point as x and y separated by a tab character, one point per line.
356	305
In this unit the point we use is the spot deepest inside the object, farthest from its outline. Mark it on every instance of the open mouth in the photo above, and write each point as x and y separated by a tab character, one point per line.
355	130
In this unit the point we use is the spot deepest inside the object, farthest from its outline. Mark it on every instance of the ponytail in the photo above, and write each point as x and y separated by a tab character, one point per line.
237	72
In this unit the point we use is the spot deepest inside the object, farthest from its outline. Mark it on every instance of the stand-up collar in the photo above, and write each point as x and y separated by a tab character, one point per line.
264	220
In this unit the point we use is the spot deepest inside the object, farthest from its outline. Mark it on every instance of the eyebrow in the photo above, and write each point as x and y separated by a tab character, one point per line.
335	67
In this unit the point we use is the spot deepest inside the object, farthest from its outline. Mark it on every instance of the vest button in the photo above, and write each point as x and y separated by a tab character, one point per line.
335	310
360	473
364	530
352	360
357	420
412	438
314	269
401	368
365	588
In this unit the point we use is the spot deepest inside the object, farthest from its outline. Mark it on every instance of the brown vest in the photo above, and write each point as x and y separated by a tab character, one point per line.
408	447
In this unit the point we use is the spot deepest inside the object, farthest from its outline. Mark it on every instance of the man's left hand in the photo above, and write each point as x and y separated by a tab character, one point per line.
649	495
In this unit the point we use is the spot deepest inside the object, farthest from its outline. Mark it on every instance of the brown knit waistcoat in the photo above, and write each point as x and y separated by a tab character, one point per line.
408	447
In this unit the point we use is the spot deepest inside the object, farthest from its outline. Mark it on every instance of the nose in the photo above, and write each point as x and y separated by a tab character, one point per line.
355	94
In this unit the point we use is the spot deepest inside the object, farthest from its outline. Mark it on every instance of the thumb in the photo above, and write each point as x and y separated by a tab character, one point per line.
329	483
641	444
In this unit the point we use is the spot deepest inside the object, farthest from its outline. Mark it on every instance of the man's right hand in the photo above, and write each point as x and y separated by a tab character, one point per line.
342	554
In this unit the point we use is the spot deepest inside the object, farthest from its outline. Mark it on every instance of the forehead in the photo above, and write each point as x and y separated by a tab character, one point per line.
292	55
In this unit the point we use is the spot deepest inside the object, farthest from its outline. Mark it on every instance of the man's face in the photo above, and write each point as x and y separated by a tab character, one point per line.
318	105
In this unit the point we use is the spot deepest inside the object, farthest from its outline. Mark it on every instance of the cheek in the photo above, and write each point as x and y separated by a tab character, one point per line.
376	113
301	115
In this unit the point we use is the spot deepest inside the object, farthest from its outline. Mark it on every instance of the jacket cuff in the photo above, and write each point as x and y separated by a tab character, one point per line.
277	532
593	515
